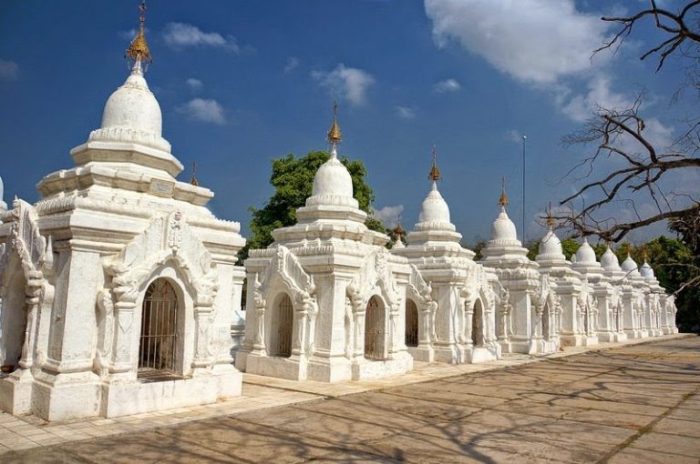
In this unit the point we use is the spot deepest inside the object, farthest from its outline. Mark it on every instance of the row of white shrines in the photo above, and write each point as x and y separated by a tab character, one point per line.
120	291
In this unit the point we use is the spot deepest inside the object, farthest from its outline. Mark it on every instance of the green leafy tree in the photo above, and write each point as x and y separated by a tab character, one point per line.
292	179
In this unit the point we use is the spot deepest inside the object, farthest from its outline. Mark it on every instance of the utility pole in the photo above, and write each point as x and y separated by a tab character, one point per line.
523	221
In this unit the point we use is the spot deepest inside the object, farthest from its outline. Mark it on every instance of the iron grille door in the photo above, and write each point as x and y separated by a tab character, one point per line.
411	324
158	344
374	330
282	329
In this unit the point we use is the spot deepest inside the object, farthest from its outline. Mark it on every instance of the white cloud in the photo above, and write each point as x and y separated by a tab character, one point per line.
194	84
127	35
599	95
405	112
292	64
204	110
180	35
9	70
351	84
514	135
448	85
536	41
389	215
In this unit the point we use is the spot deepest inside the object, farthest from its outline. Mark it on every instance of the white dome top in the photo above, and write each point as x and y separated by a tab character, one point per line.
610	261
503	228
332	179
551	245
629	265
646	271
585	253
434	208
133	106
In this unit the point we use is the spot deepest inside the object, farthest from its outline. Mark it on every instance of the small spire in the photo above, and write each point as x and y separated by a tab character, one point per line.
550	219
434	174
334	133
398	230
644	253
138	50
194	180
503	199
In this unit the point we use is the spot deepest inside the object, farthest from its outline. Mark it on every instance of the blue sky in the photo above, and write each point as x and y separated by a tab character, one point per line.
243	82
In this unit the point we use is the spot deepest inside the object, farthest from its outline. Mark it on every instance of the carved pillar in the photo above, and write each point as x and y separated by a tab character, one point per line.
396	337
124	310
468	326
359	343
203	317
537	332
425	330
259	342
302	314
33	299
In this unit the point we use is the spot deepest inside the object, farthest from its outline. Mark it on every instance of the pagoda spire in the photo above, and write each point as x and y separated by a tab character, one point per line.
334	133
138	51
434	174
503	199
550	219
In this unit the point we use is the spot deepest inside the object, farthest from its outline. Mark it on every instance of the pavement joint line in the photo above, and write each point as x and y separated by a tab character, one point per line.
647	428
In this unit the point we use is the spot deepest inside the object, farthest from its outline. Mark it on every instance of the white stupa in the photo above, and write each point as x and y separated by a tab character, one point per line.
615	275
532	308
325	300
553	262
135	282
454	312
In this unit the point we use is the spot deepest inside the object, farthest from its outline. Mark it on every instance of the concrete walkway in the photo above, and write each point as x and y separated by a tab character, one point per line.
632	403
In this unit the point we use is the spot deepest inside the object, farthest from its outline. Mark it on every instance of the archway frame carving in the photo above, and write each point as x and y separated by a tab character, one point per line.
374	278
35	258
167	248
285	274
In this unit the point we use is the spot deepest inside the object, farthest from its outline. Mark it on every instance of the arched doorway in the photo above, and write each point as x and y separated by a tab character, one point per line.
478	324
281	326
159	334
13	321
411	323
545	321
374	329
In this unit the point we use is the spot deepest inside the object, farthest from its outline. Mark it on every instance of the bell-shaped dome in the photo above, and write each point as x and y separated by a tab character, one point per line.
550	247
133	106
503	228
646	271
332	179
629	265
609	261
585	253
434	208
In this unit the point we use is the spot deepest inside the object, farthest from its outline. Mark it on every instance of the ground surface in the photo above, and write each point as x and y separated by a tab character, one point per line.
631	404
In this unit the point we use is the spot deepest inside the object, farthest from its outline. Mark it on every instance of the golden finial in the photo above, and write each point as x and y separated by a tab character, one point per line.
503	199
550	219
334	134
434	170
644	253
398	230
194	180
138	48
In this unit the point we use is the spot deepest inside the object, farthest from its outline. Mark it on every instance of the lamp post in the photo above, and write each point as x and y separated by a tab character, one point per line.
523	220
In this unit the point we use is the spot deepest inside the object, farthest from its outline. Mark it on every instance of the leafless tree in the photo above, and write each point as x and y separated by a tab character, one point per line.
641	168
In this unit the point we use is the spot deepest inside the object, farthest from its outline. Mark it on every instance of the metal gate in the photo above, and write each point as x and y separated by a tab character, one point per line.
478	324
545	321
158	344
374	330
281	329
411	323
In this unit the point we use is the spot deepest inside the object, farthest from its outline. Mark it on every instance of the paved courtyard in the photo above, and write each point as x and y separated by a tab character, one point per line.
635	403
